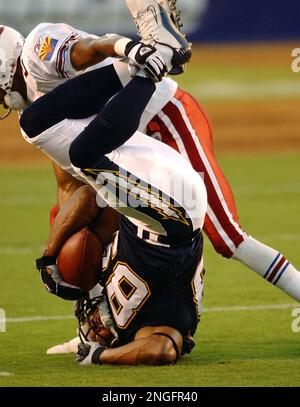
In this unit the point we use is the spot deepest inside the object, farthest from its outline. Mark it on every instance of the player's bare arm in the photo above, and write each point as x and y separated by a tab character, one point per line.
77	213
66	185
160	345
90	51
105	225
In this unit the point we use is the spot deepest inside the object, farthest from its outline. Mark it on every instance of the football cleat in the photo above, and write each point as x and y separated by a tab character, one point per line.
158	23
67	347
171	8
175	15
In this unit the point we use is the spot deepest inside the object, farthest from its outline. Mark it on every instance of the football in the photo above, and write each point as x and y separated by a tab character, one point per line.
80	260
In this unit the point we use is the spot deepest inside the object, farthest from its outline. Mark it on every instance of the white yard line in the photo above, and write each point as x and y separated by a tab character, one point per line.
39	318
227	89
15	250
251	190
279	238
239	308
5	374
12	250
288	237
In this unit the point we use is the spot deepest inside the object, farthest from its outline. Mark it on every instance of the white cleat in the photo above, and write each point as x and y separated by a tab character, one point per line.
171	8
63	348
158	23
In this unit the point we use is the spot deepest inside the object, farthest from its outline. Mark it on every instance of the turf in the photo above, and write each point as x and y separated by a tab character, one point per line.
234	348
241	72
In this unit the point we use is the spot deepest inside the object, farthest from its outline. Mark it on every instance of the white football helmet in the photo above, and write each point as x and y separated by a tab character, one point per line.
11	45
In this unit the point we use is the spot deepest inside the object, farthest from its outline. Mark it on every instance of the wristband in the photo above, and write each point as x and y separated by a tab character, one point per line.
45	261
96	355
120	46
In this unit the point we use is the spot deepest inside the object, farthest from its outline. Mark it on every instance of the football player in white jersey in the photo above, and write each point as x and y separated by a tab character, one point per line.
55	52
181	123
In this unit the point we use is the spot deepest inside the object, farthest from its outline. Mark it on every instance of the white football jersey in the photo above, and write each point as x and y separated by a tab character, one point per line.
46	58
47	64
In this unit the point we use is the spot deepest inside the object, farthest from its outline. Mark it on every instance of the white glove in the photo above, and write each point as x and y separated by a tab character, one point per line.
66	347
147	58
89	353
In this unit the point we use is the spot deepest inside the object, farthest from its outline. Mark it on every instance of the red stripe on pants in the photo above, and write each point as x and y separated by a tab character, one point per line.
201	126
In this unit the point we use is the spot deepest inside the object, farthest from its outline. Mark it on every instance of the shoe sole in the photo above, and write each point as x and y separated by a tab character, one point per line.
181	55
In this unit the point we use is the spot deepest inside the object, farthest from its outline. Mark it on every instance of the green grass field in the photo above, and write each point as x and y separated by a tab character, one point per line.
235	346
242	72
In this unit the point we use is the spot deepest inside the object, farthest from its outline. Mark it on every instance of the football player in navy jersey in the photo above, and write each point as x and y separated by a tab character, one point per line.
157	253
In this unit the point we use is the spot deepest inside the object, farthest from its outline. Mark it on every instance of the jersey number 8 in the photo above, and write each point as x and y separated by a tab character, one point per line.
127	293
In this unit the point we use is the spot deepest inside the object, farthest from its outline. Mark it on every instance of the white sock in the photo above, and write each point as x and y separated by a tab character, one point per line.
271	265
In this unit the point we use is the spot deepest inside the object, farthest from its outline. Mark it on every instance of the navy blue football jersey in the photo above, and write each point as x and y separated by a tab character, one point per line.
149	285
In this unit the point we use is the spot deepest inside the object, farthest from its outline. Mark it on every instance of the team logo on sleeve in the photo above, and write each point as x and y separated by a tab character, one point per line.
47	49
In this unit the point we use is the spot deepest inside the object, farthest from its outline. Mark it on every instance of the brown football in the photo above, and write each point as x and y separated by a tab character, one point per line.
79	260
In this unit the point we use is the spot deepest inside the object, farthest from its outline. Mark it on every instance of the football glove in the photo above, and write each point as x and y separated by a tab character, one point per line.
53	281
89	353
187	345
147	58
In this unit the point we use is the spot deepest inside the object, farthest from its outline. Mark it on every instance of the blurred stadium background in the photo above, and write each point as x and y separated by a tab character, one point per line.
205	20
241	67
241	71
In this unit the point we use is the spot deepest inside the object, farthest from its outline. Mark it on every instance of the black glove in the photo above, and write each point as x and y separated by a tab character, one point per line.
89	353
53	281
187	345
147	58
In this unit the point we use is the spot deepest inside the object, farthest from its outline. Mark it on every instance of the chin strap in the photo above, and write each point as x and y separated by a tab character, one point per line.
8	112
